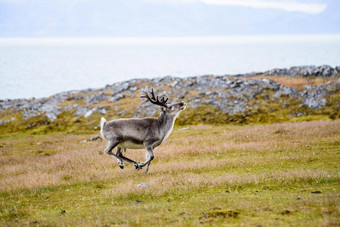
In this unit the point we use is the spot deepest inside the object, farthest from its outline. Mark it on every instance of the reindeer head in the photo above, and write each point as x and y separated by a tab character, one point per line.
171	109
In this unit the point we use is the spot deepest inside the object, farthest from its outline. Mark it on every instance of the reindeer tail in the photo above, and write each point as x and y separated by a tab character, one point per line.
102	124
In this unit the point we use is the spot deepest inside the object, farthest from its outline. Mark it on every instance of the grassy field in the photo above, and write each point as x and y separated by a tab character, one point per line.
284	174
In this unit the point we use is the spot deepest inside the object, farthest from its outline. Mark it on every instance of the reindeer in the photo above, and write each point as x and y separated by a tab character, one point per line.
139	133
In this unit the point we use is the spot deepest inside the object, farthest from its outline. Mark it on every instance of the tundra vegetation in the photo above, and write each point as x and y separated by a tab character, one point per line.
274	161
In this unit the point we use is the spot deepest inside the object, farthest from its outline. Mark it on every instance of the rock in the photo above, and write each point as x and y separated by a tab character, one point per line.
51	110
337	68
88	113
101	110
80	111
71	107
92	139
288	91
326	71
183	129
311	70
74	98
116	97
267	81
313	97
118	87
6	121
237	83
228	94
143	185
29	113
51	116
277	94
93	99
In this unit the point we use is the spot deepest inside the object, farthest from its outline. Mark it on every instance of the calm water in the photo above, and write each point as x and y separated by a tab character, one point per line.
43	67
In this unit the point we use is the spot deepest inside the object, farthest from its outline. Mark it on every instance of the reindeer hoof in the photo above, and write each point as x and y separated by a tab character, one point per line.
137	166
121	166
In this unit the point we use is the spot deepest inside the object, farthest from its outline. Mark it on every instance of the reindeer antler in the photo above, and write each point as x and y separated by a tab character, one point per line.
150	95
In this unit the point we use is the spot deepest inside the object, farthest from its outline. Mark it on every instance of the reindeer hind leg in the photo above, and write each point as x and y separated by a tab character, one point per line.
111	145
120	154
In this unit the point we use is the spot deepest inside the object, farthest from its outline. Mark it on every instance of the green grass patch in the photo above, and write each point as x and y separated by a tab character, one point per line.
276	174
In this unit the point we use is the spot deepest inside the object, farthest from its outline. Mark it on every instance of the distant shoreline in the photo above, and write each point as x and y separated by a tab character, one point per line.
169	40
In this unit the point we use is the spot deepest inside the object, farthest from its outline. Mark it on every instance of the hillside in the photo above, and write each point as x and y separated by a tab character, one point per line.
279	95
219	167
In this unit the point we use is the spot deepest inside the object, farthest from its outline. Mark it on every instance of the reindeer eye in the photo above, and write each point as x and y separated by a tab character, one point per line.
172	108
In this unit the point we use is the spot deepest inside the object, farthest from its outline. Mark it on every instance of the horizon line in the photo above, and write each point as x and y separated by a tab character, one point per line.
169	40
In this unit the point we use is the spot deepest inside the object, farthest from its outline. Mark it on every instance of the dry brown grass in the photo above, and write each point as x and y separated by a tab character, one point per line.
294	81
193	168
57	159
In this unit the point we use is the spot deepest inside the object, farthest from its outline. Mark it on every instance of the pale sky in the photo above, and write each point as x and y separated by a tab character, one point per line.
287	5
312	7
167	17
304	6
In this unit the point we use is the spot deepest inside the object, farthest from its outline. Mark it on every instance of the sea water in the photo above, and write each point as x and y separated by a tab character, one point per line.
40	67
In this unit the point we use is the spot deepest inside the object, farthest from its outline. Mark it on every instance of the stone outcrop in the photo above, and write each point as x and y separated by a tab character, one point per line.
230	94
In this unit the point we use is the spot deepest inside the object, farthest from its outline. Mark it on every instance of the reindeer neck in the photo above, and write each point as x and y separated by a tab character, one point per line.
166	124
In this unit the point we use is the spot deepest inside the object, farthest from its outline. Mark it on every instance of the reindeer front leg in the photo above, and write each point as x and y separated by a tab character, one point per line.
147	165
149	157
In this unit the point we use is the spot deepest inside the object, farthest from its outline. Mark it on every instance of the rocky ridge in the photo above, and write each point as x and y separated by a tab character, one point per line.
228	94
